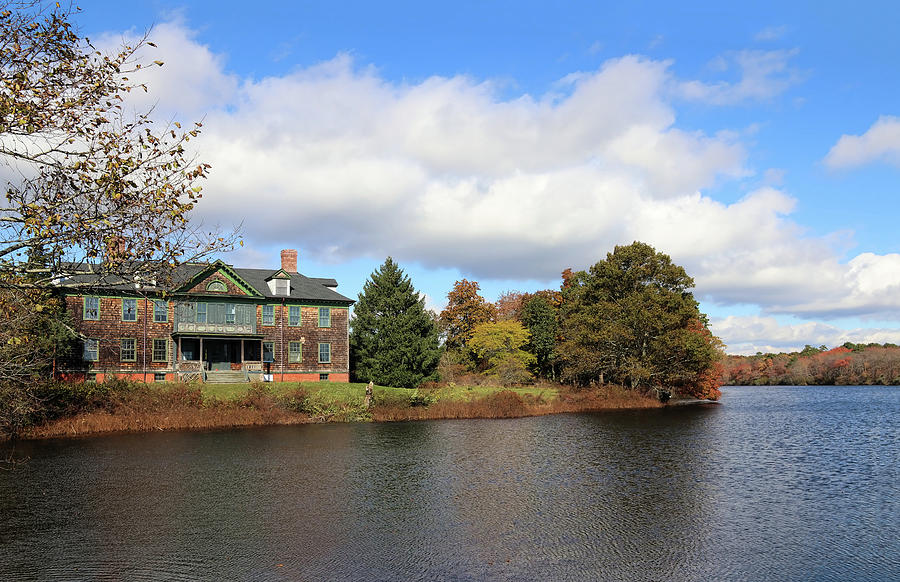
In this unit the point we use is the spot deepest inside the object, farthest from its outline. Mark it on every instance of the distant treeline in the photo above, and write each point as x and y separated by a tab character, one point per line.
850	364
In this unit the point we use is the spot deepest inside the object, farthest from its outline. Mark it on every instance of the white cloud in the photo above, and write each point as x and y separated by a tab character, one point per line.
748	335
191	80
771	33
763	75
881	143
447	173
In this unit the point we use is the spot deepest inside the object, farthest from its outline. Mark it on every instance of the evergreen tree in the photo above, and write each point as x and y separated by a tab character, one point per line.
540	318
393	339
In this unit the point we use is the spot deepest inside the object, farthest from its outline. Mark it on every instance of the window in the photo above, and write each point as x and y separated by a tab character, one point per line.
268	315
160	350
268	352
159	376
229	313
323	377
190	349
282	287
295	353
201	313
160	311
91	309
91	350
129	309
217	287
251	352
127	350
324	317
324	353
294	316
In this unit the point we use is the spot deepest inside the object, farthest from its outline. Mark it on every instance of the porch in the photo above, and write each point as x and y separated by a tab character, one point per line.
217	359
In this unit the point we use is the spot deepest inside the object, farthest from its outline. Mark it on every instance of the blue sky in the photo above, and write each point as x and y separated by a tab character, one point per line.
757	144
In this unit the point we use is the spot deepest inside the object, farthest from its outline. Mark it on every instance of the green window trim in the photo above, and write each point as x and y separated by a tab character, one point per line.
268	315
295	316
295	352
90	308
129	313
160	350
128	350
324	354
268	352
160	311
324	317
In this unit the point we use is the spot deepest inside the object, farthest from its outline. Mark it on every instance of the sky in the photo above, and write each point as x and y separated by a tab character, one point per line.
757	144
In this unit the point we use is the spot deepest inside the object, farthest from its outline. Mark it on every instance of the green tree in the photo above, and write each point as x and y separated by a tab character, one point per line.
631	319
540	318
499	346
393	339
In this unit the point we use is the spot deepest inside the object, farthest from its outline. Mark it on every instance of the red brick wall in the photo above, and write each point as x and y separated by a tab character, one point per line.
110	329
311	335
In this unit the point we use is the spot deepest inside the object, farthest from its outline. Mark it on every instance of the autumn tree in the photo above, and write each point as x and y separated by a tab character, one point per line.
393	339
509	306
93	186
631	319
466	308
499	345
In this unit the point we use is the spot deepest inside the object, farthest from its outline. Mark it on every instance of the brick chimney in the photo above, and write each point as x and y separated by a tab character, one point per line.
289	260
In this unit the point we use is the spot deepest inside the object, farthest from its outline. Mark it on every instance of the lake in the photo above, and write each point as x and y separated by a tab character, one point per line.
775	483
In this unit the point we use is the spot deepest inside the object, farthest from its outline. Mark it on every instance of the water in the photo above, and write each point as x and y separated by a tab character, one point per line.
774	484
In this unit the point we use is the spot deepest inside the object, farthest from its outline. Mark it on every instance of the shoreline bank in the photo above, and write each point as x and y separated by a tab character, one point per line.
147	409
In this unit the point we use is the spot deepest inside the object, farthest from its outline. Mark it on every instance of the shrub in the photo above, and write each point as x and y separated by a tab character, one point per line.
259	396
297	400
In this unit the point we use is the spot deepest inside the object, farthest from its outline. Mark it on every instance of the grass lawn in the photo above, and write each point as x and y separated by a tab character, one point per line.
349	392
353	393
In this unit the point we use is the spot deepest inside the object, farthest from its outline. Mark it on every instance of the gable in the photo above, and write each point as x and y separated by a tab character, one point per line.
218	279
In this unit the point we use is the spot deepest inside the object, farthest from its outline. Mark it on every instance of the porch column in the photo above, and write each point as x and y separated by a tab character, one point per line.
201	353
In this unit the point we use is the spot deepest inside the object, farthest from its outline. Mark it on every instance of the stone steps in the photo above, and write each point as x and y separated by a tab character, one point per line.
225	376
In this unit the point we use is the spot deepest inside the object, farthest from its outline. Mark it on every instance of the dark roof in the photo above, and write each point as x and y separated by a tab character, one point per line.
302	287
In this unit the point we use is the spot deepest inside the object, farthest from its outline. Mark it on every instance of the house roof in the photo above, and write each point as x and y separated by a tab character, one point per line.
255	280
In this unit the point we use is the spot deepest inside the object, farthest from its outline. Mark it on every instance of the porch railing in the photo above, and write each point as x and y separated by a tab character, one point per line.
191	371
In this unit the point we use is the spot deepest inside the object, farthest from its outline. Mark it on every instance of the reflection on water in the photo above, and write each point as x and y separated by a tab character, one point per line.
775	484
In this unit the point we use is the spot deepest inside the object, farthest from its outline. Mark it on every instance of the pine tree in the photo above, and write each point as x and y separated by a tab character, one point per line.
393	339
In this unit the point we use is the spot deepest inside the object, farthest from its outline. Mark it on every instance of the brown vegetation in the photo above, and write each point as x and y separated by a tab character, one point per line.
509	404
147	409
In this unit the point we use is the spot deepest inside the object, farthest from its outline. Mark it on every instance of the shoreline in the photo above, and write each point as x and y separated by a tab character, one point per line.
222	415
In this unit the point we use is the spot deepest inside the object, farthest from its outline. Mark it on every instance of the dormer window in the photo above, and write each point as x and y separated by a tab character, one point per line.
280	285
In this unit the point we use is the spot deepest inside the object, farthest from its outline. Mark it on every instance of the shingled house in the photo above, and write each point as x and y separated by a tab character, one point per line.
214	322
